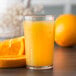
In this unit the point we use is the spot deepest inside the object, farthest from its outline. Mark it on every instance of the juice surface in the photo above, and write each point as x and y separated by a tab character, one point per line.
39	42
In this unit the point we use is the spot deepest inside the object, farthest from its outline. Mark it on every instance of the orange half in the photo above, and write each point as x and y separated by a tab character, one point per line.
12	61
12	47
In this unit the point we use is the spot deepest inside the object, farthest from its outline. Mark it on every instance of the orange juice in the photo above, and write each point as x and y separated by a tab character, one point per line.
39	42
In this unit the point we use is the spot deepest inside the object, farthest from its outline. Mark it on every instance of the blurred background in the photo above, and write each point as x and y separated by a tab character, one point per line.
57	7
13	11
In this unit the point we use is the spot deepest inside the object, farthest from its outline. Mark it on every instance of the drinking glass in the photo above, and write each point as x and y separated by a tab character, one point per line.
39	41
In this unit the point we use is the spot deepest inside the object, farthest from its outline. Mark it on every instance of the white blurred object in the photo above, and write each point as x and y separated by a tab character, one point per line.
11	16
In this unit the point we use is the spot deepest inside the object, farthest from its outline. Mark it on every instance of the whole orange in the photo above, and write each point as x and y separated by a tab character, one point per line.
65	30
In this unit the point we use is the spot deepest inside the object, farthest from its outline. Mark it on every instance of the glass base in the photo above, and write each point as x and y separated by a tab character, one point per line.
39	67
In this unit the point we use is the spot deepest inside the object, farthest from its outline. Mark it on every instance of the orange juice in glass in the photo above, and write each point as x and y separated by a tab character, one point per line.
39	41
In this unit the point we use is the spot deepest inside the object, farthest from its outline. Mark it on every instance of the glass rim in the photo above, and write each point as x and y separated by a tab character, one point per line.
39	17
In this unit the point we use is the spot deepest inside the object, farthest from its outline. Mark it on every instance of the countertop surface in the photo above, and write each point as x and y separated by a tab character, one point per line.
64	65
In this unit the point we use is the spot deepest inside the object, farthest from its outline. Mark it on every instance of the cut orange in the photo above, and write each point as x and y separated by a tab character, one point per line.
12	61
12	47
